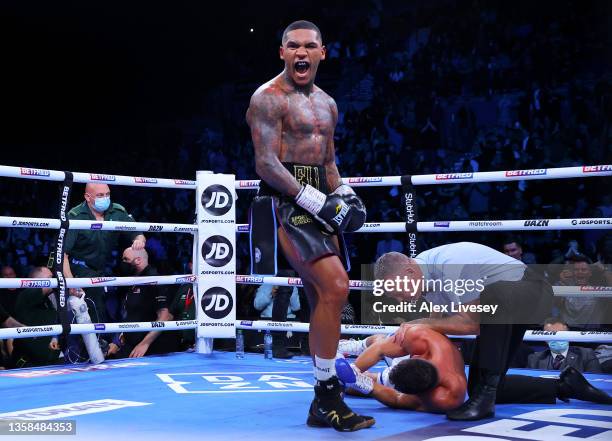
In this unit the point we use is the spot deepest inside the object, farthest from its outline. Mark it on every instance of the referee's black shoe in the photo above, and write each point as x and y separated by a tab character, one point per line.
481	403
572	384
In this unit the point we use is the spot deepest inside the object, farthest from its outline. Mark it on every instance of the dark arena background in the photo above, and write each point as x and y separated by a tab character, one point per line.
431	96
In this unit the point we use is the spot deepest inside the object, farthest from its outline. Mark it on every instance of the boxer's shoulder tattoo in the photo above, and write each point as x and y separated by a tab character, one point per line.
267	109
264	116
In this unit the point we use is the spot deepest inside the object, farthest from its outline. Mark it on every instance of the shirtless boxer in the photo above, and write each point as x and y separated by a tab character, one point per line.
427	373
303	207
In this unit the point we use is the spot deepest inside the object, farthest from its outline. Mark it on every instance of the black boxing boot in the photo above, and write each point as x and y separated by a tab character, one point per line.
329	410
481	403
572	384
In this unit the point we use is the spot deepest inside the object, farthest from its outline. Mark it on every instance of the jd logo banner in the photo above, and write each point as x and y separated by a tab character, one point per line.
217	200
217	302
217	251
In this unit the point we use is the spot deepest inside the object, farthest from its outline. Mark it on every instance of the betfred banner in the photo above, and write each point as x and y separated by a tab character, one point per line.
216	255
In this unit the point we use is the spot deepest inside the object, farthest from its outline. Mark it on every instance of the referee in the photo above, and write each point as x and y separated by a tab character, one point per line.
462	283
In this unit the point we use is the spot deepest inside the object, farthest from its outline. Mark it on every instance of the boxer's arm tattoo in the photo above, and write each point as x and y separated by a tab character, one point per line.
333	176
265	118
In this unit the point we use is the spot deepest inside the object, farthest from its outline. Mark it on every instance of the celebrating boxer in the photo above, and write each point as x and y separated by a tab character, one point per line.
303	206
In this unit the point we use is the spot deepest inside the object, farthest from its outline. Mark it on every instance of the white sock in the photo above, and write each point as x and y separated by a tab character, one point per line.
324	368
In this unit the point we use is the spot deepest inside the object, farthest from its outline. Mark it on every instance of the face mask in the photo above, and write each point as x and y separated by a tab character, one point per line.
558	347
102	204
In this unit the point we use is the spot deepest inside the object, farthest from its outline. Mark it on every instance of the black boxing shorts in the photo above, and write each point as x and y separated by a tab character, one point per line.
271	210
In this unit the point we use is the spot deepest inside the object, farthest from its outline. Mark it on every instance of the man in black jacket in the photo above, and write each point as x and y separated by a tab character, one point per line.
34	308
560	354
145	303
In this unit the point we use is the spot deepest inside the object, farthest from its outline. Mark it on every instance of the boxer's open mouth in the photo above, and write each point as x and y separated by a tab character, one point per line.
302	67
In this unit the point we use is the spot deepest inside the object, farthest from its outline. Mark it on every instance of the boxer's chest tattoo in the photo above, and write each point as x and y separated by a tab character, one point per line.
309	116
309	122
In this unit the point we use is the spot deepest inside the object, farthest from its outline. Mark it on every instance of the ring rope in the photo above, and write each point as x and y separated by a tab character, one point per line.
481	225
581	171
177	279
265	325
79	224
90	282
368	227
84	178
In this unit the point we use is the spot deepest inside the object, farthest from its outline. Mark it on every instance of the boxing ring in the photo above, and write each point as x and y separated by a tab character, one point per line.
213	395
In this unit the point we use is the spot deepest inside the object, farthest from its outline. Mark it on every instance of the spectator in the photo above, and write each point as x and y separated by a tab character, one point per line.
87	252
585	311
604	356
8	296
265	299
183	308
513	248
6	346
560	354
388	244
34	308
145	303
266	296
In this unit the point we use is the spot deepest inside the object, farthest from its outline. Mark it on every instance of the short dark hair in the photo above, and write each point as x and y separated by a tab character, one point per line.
554	321
414	376
512	239
302	24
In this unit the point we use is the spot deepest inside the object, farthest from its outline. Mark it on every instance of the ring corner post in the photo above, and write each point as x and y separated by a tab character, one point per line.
215	259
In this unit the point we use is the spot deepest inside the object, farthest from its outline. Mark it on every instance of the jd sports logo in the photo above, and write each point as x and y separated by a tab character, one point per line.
217	251
217	302
217	200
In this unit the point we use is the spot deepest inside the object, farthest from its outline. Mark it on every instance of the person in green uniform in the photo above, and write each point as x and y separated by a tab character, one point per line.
34	308
183	308
6	346
87	252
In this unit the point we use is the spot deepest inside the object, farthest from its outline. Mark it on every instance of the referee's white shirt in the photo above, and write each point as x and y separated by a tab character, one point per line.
464	261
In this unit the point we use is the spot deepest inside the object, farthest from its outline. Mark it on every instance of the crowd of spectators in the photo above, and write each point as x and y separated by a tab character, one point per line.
445	86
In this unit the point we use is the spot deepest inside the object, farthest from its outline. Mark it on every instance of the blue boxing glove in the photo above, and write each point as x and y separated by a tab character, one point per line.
357	208
331	210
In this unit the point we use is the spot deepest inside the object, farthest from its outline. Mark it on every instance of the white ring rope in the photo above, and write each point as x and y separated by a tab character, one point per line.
78	224
264	325
369	227
583	171
177	279
83	178
481	225
576	336
90	282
